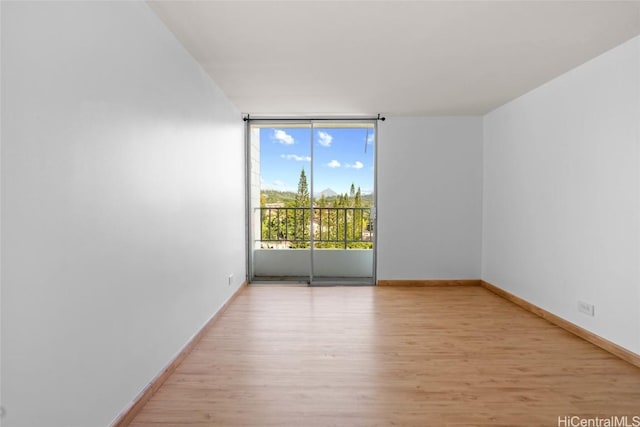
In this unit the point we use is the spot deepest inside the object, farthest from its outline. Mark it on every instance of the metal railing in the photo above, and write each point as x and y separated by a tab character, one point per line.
292	227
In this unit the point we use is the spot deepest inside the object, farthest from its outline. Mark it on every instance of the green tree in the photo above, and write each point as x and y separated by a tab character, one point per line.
302	196
299	218
360	221
352	194
357	200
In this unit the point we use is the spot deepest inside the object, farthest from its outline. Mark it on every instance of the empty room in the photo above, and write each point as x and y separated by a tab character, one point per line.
319	213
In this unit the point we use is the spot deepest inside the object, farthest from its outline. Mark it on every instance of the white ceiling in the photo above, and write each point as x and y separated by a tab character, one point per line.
392	57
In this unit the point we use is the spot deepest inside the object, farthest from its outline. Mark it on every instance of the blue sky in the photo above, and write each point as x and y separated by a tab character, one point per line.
339	158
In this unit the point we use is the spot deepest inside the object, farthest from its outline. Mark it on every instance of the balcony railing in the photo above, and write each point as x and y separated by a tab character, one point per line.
290	227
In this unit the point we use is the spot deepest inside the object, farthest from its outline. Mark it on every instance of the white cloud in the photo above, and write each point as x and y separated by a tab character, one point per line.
334	164
370	138
324	139
282	137
296	157
356	165
278	183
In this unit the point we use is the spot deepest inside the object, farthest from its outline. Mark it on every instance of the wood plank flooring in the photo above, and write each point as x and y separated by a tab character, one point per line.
382	356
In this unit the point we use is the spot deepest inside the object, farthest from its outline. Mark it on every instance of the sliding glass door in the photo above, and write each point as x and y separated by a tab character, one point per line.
312	201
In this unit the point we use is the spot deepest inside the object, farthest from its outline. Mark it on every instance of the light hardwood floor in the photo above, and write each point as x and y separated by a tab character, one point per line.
380	356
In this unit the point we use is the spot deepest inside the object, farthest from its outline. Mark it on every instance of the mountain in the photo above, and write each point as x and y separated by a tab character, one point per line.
326	193
274	196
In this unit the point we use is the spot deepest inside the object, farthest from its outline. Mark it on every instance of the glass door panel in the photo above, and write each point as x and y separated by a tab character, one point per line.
280	203
343	170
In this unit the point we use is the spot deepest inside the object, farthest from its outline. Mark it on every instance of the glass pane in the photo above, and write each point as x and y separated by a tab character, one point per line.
281	167
343	201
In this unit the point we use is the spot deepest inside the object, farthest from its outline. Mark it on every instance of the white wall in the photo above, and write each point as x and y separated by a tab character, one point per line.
430	198
122	206
638	189
562	193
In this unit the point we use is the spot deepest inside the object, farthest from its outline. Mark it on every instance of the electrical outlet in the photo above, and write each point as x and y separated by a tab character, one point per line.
230	279
586	308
